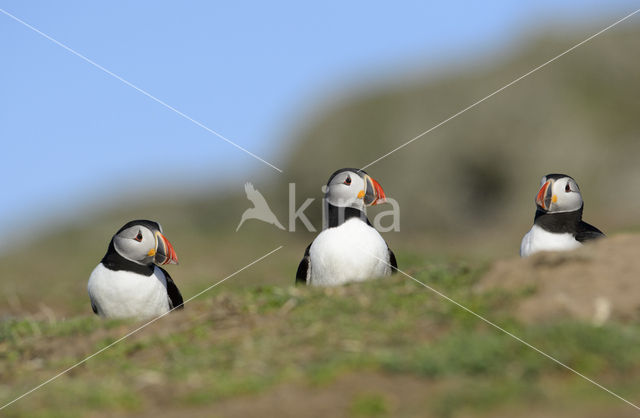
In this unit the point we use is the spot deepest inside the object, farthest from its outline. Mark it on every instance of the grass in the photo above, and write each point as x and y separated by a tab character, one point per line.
369	405
234	343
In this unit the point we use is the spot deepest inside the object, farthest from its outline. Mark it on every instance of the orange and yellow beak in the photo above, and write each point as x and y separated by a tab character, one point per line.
373	193
164	252
544	198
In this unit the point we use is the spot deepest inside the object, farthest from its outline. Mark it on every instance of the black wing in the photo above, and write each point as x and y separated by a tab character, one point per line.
392	261
94	307
175	298
304	268
587	232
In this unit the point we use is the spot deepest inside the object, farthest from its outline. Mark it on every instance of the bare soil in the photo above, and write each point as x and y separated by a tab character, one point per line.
598	282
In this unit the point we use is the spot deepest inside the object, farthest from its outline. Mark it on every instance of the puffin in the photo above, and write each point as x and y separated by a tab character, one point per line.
129	282
558	224
349	249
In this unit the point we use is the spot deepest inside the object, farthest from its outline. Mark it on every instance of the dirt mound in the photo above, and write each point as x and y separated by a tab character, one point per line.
597	282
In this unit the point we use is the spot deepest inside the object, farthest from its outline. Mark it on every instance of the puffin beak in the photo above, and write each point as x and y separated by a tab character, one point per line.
165	254
373	193
543	199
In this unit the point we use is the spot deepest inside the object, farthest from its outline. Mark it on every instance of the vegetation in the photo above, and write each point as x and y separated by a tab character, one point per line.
232	343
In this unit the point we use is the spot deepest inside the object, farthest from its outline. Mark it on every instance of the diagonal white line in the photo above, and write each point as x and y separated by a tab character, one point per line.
498	327
501	89
149	95
137	329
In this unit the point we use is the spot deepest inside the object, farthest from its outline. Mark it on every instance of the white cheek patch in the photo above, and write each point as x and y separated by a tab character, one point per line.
133	250
566	201
343	195
124	247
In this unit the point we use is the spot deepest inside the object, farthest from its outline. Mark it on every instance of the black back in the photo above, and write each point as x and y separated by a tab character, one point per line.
304	268
587	232
567	222
175	298
392	261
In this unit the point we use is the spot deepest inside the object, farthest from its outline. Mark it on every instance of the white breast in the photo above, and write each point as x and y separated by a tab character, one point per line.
123	294
537	239
348	253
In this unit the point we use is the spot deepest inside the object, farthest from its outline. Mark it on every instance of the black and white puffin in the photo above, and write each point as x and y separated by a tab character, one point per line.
127	283
349	248
558	224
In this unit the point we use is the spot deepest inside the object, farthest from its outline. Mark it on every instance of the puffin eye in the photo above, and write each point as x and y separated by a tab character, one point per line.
567	188
139	237
347	181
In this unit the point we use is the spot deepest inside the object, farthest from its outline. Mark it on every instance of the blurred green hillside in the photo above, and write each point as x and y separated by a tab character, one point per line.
478	174
465	190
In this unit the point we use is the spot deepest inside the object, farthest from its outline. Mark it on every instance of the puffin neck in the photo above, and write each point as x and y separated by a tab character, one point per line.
559	221
338	215
114	261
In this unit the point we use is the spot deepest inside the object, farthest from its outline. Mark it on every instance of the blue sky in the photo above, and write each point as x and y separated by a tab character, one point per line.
73	136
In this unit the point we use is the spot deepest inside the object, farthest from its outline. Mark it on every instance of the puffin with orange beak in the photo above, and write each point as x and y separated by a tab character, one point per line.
558	223
128	282
349	248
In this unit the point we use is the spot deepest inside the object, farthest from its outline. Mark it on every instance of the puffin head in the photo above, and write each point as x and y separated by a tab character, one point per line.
558	193
351	187
142	242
